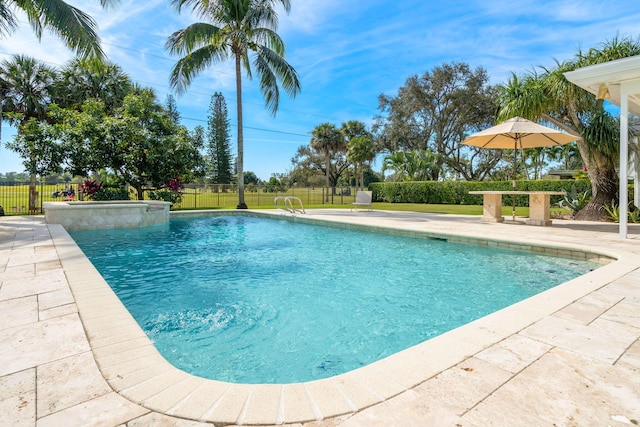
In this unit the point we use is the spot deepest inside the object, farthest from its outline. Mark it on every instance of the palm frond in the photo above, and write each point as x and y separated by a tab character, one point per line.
8	21
268	83
193	37
269	39
187	68
602	134
73	26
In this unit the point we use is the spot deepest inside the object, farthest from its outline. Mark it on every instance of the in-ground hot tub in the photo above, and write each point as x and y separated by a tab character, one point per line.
109	214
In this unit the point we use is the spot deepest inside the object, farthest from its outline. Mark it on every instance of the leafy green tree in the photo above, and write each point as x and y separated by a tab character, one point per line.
151	149
74	27
139	143
436	111
549	96
235	28
35	143
274	185
307	168
251	178
218	141
84	136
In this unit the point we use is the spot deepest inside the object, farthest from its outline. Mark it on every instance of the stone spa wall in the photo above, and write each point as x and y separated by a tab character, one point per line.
111	214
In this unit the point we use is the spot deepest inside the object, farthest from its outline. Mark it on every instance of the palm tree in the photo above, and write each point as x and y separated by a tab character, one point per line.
235	28
326	138
414	165
397	162
550	97
360	149
81	80
27	85
74	27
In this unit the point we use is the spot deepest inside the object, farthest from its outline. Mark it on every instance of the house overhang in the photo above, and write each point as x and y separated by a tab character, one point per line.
619	79
618	76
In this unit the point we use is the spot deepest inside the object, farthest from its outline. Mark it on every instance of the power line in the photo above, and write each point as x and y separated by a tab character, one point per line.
165	58
197	92
254	128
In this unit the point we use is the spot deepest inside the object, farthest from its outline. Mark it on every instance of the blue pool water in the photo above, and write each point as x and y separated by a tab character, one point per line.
255	300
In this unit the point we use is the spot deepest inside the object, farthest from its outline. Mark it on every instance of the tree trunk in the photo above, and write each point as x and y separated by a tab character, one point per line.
327	166
240	160
33	195
604	190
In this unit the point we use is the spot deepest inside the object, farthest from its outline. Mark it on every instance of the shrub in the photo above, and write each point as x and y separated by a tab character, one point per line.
111	193
274	186
170	192
457	192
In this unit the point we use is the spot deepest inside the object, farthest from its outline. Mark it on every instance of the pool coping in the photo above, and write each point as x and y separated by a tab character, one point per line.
134	368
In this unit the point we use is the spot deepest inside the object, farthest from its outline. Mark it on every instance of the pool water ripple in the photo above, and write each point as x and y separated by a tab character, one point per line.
254	300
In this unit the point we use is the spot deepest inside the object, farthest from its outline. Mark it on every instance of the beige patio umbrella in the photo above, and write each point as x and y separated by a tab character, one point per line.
518	133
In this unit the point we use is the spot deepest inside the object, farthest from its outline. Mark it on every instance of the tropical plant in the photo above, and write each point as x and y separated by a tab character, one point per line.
549	96
574	201
74	27
613	211
170	192
235	28
28	85
634	215
81	79
415	165
89	188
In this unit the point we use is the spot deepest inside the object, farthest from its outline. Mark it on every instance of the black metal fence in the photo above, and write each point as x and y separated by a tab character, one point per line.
14	197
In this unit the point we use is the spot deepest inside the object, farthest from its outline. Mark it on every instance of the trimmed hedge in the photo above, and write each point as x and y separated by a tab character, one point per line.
457	192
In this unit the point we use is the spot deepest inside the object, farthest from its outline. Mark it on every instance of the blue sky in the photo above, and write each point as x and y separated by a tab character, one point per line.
346	54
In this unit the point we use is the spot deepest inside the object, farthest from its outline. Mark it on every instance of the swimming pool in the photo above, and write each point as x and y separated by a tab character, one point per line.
270	301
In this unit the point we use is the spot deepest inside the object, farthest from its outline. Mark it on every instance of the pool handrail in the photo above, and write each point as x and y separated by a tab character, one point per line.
288	204
292	209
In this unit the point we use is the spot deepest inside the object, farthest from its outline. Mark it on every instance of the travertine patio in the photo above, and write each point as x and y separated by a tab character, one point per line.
69	355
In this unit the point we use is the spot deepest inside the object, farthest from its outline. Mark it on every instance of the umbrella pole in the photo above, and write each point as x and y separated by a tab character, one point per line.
515	174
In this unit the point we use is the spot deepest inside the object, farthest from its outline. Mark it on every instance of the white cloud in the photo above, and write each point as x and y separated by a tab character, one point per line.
309	16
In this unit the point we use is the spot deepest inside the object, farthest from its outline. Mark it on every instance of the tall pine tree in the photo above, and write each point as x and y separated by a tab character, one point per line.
218	138
172	109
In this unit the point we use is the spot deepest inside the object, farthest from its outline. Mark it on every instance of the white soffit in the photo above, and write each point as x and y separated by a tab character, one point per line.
613	74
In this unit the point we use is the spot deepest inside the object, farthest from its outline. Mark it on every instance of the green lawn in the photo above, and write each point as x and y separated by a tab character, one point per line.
14	199
418	207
